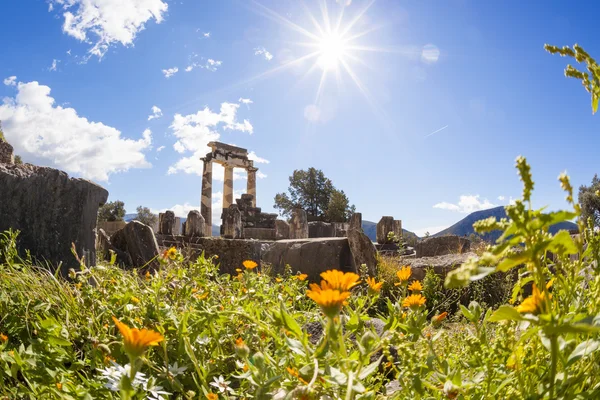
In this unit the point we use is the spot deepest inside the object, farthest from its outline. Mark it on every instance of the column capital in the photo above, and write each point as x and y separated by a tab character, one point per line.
251	169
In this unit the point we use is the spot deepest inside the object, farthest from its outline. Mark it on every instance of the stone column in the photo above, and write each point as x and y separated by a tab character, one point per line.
228	187
251	184
206	204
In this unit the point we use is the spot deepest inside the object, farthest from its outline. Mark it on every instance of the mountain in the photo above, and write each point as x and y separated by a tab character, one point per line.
370	229
464	227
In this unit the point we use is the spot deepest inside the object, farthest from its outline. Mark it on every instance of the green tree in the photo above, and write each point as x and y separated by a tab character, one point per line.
589	199
2	139
590	79
339	208
312	191
309	190
145	216
112	211
18	160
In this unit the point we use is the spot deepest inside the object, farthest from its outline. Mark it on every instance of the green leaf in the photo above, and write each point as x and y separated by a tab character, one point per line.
465	311
583	349
369	369
506	313
571	328
512	261
58	341
290	323
594	104
562	243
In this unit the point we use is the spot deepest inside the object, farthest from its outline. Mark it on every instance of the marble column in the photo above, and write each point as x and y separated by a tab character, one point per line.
251	183
228	187
206	203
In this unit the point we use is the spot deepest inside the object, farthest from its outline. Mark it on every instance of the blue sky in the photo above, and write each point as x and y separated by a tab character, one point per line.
420	117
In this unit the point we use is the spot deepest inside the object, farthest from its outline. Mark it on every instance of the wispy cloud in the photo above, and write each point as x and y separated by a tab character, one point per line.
54	65
466	204
436	131
170	72
261	51
156	113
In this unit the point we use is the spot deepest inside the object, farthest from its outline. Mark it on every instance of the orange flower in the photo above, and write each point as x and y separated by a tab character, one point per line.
136	341
414	301
374	286
301	277
339	280
440	318
278	280
403	275
170	253
296	374
212	396
330	300
415	287
201	296
148	276
535	303
249	264
59	385
3	337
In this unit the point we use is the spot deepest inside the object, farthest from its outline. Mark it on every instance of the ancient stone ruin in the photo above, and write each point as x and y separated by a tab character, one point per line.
6	153
51	210
438	246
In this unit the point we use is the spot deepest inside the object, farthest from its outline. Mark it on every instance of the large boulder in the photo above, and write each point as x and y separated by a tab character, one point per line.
232	223
363	251
437	246
139	242
104	247
298	224
384	226
318	229
441	265
309	256
52	211
282	230
194	224
166	223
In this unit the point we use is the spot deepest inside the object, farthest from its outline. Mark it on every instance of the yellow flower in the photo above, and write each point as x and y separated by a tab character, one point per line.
339	280
249	264
278	280
201	296
374	286
534	304
3	337
212	396
135	300
59	385
296	374
245	368
301	277
403	275
414	301
148	276
330	300
78	285
136	341
415	286
170	253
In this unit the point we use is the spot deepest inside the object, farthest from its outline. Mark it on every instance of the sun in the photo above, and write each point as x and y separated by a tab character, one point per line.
332	49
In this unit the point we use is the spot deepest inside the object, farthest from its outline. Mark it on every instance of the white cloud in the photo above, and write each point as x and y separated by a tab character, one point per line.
11	81
156	113
501	198
69	52
430	54
195	131
261	51
170	72
466	204
344	2
161	148
58	136
206	34
54	65
252	156
102	23
260	175
247	102
210	64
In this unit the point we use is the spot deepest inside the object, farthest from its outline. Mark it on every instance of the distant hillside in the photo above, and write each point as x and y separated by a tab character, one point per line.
370	229
464	227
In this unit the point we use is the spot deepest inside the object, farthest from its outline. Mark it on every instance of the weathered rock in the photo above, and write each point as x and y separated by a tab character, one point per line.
282	230
384	226
259	233
298	224
166	222
231	252
52	211
341	228
309	256
363	251
138	240
441	264
194	224
356	221
104	246
397	225
232	223
318	229
6	153
437	246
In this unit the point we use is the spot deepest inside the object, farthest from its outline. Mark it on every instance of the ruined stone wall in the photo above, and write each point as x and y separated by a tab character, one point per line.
52	211
6	153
